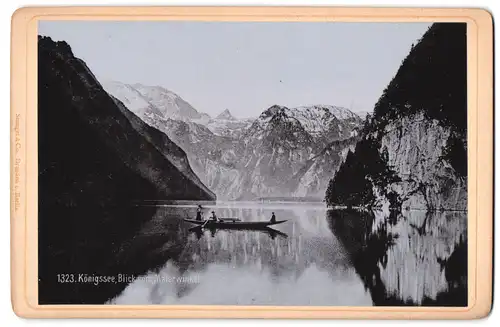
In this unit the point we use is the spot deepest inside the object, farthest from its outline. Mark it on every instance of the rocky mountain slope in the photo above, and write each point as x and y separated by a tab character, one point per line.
95	159
289	150
314	179
413	151
283	152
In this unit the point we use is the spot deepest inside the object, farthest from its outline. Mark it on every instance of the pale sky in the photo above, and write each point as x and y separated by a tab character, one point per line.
246	67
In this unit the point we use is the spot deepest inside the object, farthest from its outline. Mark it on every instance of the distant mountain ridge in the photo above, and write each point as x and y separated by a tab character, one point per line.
153	101
318	121
226	115
286	149
283	152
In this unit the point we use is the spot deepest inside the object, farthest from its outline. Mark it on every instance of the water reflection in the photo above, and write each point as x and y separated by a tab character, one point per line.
299	263
409	258
200	231
318	257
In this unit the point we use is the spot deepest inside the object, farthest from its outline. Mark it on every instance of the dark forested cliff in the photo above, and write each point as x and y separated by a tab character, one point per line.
413	149
95	159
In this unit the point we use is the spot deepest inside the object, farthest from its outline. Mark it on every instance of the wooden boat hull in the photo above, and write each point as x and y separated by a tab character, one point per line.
236	224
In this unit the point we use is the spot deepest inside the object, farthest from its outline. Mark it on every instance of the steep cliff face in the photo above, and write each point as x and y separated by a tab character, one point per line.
413	150
416	146
95	160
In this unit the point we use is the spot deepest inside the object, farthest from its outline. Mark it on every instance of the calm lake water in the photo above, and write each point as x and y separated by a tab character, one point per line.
318	257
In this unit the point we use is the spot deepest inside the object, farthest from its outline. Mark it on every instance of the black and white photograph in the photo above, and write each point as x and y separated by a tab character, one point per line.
252	163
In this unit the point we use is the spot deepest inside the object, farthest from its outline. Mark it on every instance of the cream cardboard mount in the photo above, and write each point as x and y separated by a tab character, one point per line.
214	162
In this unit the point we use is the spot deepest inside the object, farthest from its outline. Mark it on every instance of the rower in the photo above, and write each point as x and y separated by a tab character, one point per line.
273	218
198	213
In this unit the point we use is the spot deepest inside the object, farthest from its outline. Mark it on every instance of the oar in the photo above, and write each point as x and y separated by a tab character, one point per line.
196	227
275	231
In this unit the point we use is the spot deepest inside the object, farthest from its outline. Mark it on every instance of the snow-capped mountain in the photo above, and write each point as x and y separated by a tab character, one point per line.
154	102
225	124
321	123
225	115
170	104
283	152
275	155
289	151
131	98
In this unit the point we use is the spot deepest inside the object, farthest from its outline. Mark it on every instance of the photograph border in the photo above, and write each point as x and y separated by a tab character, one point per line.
24	159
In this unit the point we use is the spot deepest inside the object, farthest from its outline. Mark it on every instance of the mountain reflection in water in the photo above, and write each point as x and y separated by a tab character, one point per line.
318	257
409	258
302	263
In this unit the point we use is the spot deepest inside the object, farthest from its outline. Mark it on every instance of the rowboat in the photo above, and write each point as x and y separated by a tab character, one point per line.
198	230
229	219
234	224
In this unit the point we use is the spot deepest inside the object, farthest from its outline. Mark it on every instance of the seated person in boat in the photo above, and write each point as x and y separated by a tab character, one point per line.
213	217
273	218
198	213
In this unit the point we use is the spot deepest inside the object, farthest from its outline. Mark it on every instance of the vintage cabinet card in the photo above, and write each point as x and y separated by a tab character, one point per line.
252	162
